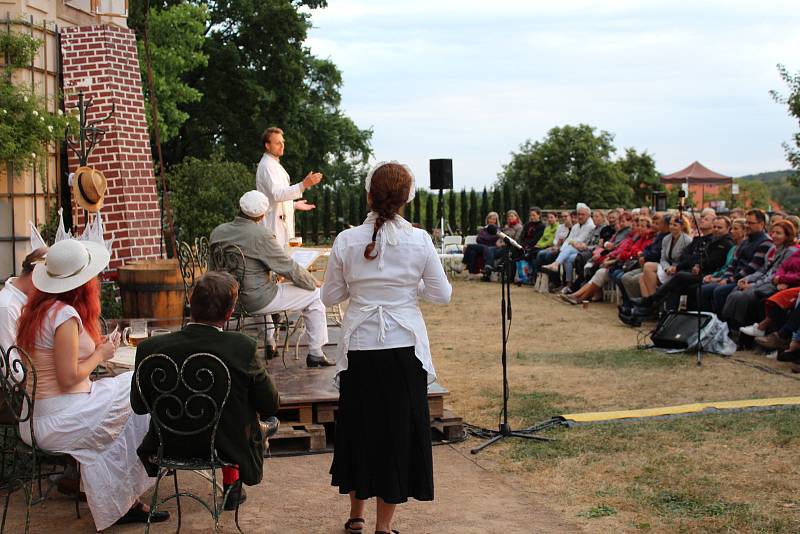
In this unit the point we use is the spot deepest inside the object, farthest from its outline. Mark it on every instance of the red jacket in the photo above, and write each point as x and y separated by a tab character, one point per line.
789	271
630	249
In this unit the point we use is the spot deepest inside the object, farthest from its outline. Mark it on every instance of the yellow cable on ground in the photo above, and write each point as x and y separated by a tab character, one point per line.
680	409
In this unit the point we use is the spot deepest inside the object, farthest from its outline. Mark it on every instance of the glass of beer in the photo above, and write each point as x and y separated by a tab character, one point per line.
296	242
135	333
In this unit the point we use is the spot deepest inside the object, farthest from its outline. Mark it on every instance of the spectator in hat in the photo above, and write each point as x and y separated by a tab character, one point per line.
263	254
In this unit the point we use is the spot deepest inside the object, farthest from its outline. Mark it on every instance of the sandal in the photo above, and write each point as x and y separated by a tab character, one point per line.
351	529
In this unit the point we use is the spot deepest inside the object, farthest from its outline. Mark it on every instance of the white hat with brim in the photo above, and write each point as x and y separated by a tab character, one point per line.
70	264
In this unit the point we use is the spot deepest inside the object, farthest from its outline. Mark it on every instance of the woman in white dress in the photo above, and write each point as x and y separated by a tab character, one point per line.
383	444
91	421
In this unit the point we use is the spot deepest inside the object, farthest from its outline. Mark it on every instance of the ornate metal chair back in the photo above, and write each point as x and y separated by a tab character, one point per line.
187	265
185	403
202	249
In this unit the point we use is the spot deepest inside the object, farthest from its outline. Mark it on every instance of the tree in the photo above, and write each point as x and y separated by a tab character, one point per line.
261	73
429	213
792	101
452	210
338	212
464	214
640	171
571	164
176	41
326	214
417	210
202	193
484	206
473	212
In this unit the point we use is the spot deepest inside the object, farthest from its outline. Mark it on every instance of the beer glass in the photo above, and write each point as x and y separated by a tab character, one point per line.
135	333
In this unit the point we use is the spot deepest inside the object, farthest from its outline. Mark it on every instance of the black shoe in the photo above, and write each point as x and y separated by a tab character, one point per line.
269	426
642	302
269	352
235	497
789	356
313	360
137	515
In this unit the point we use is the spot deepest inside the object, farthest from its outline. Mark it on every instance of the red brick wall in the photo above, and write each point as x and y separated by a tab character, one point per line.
103	62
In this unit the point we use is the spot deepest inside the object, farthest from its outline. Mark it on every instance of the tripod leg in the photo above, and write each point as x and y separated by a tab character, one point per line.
530	436
485	444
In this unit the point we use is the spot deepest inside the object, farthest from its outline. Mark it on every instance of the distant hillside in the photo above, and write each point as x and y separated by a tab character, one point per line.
773	176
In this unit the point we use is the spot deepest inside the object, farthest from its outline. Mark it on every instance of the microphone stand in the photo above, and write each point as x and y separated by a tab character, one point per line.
699	295
504	430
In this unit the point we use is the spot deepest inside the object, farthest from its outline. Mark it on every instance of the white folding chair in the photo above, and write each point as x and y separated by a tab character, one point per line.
451	244
470	240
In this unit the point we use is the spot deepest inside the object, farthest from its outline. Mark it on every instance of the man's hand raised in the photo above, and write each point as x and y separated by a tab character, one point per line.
302	205
312	179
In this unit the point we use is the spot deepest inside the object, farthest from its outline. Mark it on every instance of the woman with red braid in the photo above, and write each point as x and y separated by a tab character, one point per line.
91	421
383	437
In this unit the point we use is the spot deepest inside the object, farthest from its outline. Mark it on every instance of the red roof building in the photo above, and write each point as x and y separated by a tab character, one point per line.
701	182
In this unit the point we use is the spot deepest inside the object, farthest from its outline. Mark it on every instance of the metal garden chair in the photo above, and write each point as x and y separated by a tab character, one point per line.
21	464
232	260
202	252
187	262
185	404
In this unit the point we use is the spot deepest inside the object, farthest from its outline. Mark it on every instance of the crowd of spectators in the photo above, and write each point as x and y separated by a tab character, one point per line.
743	265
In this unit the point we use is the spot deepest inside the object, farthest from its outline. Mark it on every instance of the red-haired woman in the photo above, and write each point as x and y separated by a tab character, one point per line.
91	421
383	444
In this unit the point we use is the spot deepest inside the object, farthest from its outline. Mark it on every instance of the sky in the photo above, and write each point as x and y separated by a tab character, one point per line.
472	81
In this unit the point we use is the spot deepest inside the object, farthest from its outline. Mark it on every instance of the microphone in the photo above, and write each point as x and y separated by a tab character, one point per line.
681	199
492	229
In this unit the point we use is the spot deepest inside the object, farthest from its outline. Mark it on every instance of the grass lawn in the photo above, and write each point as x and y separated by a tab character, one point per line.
727	472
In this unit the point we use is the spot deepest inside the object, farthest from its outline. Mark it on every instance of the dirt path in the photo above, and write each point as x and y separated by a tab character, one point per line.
296	496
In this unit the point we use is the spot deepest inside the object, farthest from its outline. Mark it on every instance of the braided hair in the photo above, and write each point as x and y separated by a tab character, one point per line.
388	193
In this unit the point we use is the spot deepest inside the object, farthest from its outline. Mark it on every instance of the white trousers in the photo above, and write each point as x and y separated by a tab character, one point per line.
308	303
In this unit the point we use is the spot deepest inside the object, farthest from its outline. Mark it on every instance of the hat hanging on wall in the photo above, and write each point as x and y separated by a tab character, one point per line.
89	188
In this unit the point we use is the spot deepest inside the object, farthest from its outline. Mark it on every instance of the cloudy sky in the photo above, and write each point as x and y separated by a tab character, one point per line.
473	80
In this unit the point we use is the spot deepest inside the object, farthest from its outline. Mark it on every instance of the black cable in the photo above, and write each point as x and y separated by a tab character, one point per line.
760	367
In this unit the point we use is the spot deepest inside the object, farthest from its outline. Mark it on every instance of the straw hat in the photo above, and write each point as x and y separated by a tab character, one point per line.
89	187
70	264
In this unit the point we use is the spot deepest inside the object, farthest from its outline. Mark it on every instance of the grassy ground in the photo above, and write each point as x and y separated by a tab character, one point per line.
732	472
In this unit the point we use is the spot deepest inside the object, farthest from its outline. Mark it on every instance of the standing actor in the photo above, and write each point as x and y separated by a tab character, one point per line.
384	365
273	180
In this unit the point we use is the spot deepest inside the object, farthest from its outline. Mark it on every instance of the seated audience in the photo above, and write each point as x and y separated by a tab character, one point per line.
749	258
704	256
576	241
513	229
672	247
614	263
475	254
239	438
549	254
91	421
263	254
740	305
629	283
533	230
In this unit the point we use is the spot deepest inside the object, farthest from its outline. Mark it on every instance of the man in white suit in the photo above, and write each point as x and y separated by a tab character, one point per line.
273	180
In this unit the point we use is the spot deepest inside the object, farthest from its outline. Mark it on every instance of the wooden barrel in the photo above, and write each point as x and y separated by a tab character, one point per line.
152	289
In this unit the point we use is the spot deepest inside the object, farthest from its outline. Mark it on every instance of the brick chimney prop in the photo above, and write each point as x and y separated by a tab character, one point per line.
102	61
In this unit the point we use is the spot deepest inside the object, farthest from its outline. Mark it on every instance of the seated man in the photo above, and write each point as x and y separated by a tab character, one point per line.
14	296
263	253
239	439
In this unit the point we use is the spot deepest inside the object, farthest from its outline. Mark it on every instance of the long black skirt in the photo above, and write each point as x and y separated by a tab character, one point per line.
383	434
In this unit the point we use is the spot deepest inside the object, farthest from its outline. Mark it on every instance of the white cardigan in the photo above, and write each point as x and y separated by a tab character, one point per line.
383	311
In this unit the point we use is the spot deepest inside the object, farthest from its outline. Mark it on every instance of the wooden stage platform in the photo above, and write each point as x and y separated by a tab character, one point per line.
309	401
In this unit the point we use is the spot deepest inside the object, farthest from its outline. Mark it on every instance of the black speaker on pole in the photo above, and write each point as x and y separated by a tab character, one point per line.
441	173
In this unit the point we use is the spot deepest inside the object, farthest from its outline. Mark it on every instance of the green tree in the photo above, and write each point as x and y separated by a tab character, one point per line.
429	213
417	207
352	212
484	206
176	48
792	102
326	214
464	213
202	194
338	212
641	174
571	164
473	212
261	73
452	210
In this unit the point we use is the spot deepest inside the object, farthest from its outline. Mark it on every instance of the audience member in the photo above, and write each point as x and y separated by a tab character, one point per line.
239	438
672	246
533	230
475	254
576	241
14	295
91	421
629	283
264	254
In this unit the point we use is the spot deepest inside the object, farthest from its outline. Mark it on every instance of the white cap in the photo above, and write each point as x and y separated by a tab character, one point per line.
582	206
254	204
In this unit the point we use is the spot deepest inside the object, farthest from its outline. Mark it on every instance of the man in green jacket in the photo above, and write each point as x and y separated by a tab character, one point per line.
252	396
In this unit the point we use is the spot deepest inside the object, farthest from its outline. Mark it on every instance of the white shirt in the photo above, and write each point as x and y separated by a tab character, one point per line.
580	233
383	311
562	232
11	302
273	180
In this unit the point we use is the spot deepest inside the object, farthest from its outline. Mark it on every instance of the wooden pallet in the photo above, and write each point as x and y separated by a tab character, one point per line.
449	426
297	436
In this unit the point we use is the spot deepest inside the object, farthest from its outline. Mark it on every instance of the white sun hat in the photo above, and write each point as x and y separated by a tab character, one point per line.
70	264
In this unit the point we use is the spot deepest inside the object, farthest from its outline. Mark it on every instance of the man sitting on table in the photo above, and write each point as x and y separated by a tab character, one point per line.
240	439
263	253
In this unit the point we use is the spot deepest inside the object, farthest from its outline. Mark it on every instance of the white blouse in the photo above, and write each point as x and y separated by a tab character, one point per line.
383	311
